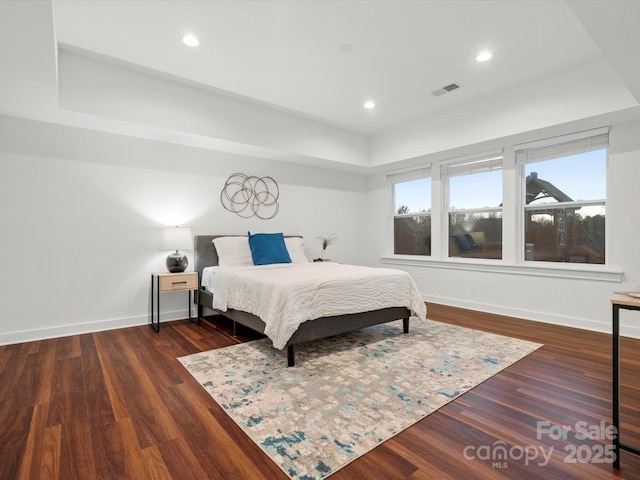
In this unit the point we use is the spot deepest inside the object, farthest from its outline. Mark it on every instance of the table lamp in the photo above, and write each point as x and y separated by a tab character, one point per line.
177	238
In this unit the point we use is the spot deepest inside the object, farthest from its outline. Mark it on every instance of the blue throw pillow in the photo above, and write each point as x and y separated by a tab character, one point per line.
268	248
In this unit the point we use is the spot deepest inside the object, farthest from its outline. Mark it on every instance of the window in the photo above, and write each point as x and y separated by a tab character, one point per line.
412	215
475	208
564	201
544	201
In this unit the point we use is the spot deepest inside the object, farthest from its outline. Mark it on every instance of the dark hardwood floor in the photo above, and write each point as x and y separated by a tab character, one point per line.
118	405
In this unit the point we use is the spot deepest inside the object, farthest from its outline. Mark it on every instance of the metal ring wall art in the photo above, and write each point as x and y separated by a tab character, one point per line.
251	196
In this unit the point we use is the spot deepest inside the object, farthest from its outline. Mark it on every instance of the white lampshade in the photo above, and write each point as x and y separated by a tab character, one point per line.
177	238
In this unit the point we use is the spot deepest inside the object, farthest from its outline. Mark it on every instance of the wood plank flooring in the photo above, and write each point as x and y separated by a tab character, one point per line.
118	405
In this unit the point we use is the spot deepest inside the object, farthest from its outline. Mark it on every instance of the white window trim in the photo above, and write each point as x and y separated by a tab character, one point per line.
513	262
557	205
474	210
408	174
557	143
539	269
554	147
402	175
469	165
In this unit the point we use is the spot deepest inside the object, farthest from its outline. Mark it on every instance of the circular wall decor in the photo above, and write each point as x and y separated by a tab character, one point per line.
249	196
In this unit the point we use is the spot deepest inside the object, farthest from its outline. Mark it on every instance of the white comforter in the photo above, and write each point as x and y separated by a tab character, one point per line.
286	295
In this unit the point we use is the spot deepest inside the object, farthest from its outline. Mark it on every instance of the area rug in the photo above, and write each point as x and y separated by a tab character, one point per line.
348	393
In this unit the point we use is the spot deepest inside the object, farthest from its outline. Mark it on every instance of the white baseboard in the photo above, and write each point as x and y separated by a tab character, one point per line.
112	324
88	327
544	317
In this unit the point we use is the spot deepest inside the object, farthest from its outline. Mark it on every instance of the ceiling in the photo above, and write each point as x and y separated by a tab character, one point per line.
324	59
321	60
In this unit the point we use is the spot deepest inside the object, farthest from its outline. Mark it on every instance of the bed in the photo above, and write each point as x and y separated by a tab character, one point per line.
206	260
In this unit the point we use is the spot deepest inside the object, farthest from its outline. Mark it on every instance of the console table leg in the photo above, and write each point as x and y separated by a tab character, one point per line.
616	384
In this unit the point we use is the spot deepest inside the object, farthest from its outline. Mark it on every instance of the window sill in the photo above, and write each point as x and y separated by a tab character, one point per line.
541	269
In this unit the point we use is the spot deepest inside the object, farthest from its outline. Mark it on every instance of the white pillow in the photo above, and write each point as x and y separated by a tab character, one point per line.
233	251
295	247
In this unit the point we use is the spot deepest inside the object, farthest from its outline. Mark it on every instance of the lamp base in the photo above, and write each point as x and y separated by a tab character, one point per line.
177	262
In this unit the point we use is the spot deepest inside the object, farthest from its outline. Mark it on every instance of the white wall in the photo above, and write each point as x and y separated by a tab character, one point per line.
573	302
140	103
580	94
82	213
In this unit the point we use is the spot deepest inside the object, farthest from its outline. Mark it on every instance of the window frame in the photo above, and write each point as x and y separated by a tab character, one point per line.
513	217
402	176
557	148
469	165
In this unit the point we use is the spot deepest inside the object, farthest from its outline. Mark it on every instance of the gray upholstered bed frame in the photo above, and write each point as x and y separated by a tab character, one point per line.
206	256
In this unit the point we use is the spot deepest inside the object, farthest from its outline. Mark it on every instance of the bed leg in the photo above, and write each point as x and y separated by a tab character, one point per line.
405	325
235	329
291	356
196	300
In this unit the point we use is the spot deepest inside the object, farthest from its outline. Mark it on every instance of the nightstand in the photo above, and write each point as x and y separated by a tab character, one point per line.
170	282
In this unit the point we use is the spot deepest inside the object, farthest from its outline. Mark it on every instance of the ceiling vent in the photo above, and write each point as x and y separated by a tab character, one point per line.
446	89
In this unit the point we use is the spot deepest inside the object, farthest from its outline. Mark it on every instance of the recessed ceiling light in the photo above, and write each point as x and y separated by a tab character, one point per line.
484	56
190	40
369	105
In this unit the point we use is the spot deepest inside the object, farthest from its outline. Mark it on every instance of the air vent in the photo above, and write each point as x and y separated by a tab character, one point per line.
446	89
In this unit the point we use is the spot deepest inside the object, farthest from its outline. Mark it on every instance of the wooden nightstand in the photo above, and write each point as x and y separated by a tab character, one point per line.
170	282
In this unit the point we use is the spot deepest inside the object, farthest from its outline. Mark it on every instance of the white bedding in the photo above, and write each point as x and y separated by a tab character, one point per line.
286	295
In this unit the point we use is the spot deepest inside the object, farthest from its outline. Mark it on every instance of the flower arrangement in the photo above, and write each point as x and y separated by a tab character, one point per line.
325	242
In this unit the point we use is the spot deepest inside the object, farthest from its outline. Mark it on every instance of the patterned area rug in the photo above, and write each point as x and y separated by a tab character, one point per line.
348	393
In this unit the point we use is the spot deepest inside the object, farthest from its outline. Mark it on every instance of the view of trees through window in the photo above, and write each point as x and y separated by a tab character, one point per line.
475	213
565	209
412	217
563	214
